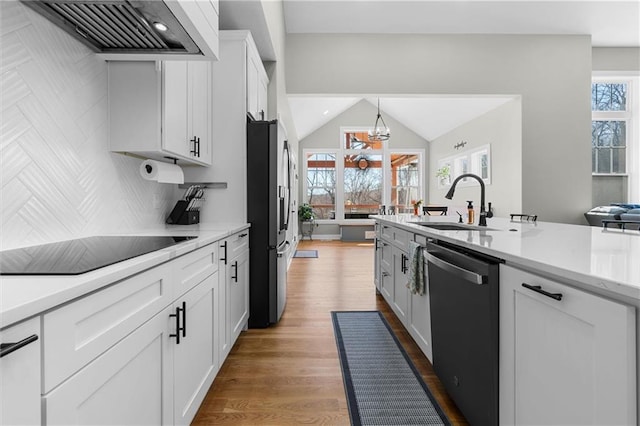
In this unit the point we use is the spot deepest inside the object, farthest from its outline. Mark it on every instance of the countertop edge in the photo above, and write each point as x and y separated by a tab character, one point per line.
47	292
574	278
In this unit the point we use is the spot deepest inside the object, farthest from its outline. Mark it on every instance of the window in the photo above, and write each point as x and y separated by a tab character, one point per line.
369	175
321	184
610	114
476	161
405	180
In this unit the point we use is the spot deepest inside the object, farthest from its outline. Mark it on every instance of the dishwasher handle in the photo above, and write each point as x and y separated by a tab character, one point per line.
456	270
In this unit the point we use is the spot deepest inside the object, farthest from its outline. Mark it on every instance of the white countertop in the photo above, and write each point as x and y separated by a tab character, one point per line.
591	257
24	296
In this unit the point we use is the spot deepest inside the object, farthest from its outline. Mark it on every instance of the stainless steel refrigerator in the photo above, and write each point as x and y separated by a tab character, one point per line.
269	212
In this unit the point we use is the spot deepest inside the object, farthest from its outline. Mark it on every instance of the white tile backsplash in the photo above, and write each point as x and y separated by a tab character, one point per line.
58	178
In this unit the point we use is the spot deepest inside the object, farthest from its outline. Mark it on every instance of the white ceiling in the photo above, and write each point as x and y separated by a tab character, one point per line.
609	22
428	117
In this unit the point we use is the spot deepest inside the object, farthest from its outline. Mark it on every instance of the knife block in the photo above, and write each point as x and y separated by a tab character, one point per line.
181	216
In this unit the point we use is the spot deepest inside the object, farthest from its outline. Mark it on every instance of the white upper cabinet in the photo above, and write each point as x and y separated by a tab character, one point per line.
239	73
257	84
159	110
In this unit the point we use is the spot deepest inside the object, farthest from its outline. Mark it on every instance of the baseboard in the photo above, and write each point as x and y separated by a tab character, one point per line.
322	237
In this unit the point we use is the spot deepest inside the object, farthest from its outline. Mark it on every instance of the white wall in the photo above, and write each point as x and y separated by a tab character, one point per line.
551	73
58	179
500	128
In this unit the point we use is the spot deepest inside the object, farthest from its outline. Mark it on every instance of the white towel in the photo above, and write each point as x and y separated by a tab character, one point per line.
416	282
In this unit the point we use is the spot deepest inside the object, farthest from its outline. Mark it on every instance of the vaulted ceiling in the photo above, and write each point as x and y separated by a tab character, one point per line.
609	22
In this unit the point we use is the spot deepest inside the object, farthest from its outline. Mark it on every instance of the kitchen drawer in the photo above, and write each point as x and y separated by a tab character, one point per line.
386	232
194	267
234	245
80	331
401	238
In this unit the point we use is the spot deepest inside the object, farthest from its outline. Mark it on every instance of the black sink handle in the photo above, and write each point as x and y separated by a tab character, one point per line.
538	289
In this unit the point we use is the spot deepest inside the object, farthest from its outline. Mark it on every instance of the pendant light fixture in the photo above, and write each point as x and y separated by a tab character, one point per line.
380	131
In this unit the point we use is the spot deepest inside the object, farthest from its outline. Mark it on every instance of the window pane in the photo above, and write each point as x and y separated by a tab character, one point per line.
619	159
321	185
362	185
405	181
608	142
360	140
484	166
603	160
608	97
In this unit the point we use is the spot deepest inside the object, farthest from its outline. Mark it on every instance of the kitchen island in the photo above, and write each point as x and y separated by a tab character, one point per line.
567	313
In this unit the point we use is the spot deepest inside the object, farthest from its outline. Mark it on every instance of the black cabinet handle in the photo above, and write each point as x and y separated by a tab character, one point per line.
196	146
234	277
224	259
7	348
404	267
184	319
178	328
243	235
538	289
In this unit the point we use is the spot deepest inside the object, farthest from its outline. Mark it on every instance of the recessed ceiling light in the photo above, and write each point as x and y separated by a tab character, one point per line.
326	112
160	26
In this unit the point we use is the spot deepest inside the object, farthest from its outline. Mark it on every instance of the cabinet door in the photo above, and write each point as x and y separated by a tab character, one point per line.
252	86
420	321
175	108
131	383
377	267
263	101
237	295
568	361
196	356
200	110
20	376
400	303
386	271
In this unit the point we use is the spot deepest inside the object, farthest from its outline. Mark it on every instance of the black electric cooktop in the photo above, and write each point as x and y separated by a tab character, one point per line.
76	257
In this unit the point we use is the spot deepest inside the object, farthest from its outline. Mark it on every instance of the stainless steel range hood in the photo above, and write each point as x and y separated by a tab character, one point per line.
119	26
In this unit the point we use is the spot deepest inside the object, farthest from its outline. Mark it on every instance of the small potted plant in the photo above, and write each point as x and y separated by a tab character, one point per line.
305	213
443	174
416	207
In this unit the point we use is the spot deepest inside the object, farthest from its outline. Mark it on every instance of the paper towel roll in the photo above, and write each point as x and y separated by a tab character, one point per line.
161	172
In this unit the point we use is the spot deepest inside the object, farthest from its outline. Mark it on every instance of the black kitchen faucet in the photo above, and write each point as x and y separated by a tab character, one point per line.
483	213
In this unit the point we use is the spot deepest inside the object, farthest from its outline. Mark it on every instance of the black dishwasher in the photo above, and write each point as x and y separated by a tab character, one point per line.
463	286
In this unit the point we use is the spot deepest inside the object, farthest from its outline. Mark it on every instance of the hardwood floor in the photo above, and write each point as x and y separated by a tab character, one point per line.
290	373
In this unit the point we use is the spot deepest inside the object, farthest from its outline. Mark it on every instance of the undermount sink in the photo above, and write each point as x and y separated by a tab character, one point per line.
448	226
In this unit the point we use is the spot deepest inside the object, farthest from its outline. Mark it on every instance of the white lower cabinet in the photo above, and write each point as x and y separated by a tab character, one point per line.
238	295
20	374
128	384
419	321
566	356
196	354
400	304
234	287
147	359
386	271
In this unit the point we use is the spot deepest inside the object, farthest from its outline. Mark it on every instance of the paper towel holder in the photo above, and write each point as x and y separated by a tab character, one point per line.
148	168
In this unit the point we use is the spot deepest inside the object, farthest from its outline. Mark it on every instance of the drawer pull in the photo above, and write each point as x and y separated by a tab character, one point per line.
234	277
178	328
538	289
7	348
224	258
243	235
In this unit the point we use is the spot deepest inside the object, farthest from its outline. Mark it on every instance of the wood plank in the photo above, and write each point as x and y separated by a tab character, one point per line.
290	373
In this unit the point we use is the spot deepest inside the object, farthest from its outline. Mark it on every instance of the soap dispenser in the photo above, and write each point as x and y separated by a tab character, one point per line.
470	213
